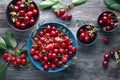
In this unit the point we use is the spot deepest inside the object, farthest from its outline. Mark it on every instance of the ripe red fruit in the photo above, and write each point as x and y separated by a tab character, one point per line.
13	58
104	18
53	55
22	6
40	33
15	63
26	18
45	58
106	57
18	3
73	49
36	39
58	14
62	11
36	57
69	16
29	13
108	28
64	16
32	6
22	13
118	51
64	60
53	66
105	63
35	11
32	51
8	59
23	56
32	22
18	61
101	22
17	23
63	45
86	38
22	25
46	67
106	40
111	53
5	55
16	8
24	62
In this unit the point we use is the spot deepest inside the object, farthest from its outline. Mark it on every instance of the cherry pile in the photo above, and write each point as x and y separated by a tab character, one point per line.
16	60
62	13
51	48
23	14
108	56
107	21
86	34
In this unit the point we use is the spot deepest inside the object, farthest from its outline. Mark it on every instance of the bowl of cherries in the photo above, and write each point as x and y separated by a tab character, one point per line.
22	15
52	47
108	21
87	34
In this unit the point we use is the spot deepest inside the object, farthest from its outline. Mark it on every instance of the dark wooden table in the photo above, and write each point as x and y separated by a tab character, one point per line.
89	63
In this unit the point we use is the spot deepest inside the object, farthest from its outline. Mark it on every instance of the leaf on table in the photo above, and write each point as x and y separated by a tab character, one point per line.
57	7
47	3
78	2
113	4
3	68
2	44
24	67
10	40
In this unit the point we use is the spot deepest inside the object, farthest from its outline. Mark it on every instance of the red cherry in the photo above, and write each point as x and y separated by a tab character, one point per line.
40	56
86	38
62	11
53	34
22	25
101	22
16	8
53	55
118	51
108	28
18	61
47	48
63	45
36	39
82	35
23	56
81	30
69	16
29	14
106	40
19	3
106	57
5	55
8	59
24	62
36	57
45	58
15	63
58	14
35	12
40	33
32	6
22	13
53	66
64	16
13	58
111	53
105	63
22	6
74	49
46	67
32	22
105	14
64	60
109	16
18	24
104	18
53	28
32	51
26	18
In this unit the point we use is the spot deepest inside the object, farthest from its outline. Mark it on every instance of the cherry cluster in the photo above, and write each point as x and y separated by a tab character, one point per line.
62	13
86	34
16	60
23	14
107	21
52	48
108	56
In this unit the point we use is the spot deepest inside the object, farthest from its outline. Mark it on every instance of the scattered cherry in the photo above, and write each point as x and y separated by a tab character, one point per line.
118	51
111	53
106	40
105	63
106	57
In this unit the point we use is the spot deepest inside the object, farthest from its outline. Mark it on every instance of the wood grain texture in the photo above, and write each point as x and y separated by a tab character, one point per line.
89	63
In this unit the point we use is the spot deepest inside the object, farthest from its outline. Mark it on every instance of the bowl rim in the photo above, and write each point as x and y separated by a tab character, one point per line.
100	26
70	60
20	30
89	43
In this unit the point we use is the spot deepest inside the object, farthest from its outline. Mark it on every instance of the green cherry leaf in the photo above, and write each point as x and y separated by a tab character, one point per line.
24	66
3	44
116	57
47	3
10	40
57	7
3	68
113	4
78	2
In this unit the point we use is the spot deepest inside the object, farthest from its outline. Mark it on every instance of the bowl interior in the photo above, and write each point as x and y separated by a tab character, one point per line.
60	27
8	10
113	14
82	42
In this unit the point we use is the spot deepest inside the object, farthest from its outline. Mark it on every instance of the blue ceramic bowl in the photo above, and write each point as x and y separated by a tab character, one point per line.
57	25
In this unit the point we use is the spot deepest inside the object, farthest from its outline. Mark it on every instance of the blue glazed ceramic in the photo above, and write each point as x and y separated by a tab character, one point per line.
59	26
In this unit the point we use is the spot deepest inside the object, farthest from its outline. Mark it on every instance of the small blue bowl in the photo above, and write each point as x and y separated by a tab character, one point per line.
61	27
